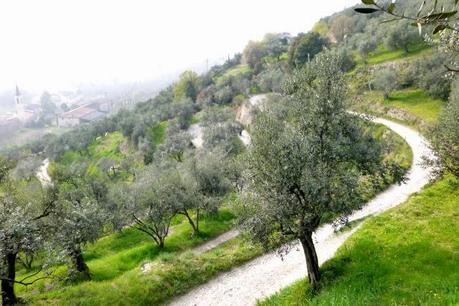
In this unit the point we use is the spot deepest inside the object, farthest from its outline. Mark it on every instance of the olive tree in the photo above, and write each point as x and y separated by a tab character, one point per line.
304	48
26	168
209	180
365	47
119	206
276	43
253	55
187	86
341	27
387	81
80	216
156	199
445	136
221	131
440	16
401	37
305	161
24	208
175	144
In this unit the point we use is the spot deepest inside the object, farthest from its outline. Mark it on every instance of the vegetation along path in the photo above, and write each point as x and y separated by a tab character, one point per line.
269	273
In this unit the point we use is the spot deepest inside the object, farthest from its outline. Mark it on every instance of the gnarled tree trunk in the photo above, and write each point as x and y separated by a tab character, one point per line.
8	296
194	225
78	263
312	263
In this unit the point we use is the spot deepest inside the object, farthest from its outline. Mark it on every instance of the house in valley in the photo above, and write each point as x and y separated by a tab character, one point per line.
79	115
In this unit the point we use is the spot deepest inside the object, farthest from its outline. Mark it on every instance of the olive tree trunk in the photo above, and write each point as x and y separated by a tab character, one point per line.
8	296
79	264
194	225
312	263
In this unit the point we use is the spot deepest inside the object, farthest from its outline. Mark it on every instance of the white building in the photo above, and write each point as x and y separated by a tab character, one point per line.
78	115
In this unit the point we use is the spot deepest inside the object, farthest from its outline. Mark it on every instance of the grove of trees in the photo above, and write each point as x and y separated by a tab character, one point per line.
304	166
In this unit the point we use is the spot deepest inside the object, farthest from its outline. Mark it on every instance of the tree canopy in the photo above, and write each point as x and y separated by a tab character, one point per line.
305	161
304	48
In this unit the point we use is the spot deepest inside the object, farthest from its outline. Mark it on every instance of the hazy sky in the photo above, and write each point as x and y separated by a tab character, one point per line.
59	43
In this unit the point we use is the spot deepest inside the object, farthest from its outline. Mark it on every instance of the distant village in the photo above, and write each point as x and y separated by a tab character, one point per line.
79	111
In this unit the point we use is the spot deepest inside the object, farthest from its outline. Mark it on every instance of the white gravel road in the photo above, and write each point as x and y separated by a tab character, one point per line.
209	245
196	133
42	173
267	274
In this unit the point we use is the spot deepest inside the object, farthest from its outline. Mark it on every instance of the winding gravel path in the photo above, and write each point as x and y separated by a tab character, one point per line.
196	133
42	173
267	274
209	245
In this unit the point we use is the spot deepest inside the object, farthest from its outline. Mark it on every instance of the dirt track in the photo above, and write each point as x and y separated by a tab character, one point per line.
267	274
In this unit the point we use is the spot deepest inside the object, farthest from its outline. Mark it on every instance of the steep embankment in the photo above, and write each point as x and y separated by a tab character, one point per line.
267	274
405	256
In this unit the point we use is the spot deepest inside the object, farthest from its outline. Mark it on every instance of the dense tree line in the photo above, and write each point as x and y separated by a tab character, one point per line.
302	169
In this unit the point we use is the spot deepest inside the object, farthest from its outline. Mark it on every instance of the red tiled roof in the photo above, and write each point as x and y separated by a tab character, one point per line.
78	112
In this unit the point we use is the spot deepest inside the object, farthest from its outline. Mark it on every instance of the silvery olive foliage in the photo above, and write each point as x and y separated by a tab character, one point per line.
438	16
449	44
25	207
221	131
119	206
79	215
175	144
387	81
305	161
26	168
208	173
445	135
160	193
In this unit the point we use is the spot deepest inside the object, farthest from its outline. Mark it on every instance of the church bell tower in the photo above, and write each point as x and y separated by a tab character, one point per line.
19	103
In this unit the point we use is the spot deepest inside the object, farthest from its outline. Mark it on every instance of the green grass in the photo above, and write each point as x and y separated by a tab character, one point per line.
114	255
395	150
107	147
158	132
234	71
416	102
406	256
382	54
284	56
409	106
196	118
398	149
115	261
170	276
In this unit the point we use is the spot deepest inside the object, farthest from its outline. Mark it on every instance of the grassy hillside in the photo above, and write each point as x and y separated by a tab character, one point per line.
406	256
115	260
170	276
382	54
411	106
158	132
238	70
107	146
416	102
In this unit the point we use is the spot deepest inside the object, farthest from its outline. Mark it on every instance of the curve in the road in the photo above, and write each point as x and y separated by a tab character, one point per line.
267	274
42	173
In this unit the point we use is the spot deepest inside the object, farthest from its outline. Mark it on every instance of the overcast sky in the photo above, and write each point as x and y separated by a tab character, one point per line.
59	43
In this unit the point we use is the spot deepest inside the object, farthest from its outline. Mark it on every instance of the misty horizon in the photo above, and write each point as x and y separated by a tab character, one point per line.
59	46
